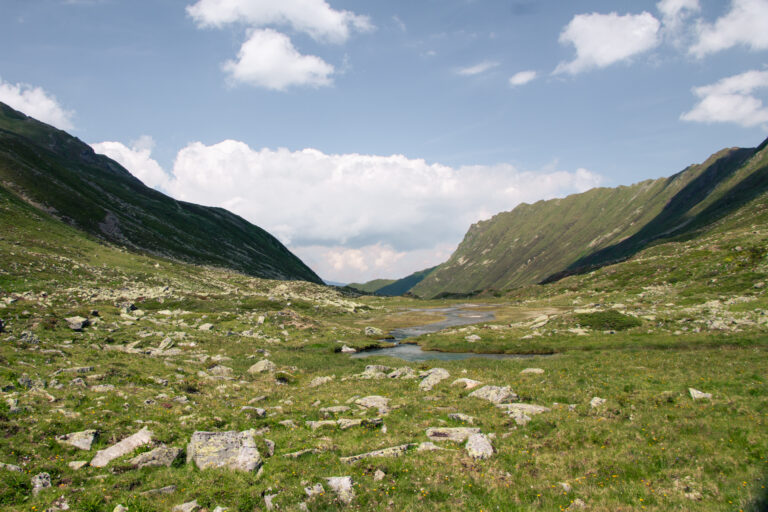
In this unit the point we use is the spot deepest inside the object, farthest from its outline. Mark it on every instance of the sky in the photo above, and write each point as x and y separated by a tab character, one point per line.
368	136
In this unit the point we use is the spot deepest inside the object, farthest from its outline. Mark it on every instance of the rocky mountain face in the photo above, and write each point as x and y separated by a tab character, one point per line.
547	240
63	176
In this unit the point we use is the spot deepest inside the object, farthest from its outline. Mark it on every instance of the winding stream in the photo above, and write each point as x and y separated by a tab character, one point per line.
454	316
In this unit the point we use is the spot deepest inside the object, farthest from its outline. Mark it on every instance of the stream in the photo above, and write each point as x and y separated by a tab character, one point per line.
454	316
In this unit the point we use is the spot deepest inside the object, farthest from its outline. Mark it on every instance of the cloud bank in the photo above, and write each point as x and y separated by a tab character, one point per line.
37	103
350	216
731	100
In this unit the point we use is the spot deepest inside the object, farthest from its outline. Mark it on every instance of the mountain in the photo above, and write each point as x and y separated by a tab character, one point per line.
404	285
548	240
371	286
63	176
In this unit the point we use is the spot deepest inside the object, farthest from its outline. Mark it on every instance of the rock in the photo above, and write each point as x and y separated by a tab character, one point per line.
578	504
524	408
270	447
263	366
566	486
534	371
103	388
268	501
375	402
40	481
233	450
82	440
479	447
404	372
699	395
190	506
314	425
336	409
296	455
77	323
59	504
10	467
205	327
394	451
319	381
373	331
166	344
472	338
77	464
457	416
495	394
120	508
596	402
315	490
539	321
347	350
342	486
221	509
456	434
467	383
254	411
124	447
374	371
168	489
379	475
159	457
432	378
428	446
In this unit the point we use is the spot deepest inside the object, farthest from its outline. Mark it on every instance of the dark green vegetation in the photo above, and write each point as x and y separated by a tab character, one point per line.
371	286
63	176
392	287
607	320
551	239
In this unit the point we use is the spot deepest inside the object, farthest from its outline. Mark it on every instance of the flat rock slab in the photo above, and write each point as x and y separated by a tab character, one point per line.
343	487
233	450
404	372
495	394
433	377
467	383
524	408
456	434
124	447
479	447
159	457
82	440
532	371
699	395
597	402
319	381
394	451
374	402
263	366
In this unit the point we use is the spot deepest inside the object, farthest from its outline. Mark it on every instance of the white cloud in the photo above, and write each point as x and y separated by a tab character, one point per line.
604	39
522	78
314	17
745	24
731	100
36	102
674	12
268	59
477	68
137	159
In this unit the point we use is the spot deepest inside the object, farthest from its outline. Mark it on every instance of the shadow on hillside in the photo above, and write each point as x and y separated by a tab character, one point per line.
672	221
761	502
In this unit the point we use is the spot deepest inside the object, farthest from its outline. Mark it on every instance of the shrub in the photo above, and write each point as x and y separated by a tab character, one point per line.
607	320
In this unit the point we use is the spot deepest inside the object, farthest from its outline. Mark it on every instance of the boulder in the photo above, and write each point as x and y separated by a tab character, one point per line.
205	327
124	447
495	394
472	338
319	381
77	323
467	383
699	395
534	371
597	402
233	450
343	487
455	434
373	331
82	440
40	481
160	456
479	446
263	366
394	451
432	378
190	506
347	350
404	372
375	402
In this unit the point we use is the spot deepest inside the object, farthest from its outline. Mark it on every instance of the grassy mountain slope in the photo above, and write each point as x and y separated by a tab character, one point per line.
404	285
63	176
549	239
371	286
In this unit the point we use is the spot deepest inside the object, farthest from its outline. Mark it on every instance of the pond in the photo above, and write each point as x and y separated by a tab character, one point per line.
454	316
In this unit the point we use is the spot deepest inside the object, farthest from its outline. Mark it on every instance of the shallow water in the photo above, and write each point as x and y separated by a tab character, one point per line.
454	316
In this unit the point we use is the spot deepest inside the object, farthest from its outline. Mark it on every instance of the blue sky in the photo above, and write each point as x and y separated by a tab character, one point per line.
368	136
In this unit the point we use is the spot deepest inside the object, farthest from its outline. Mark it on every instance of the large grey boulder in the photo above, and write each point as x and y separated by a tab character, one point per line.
160	456
699	395
375	401
82	440
343	487
77	323
455	434
432	378
479	447
495	394
467	383
233	450
40	481
124	447
263	366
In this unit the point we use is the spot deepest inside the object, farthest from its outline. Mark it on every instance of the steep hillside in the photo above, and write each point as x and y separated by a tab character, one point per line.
371	286
404	285
63	176
550	239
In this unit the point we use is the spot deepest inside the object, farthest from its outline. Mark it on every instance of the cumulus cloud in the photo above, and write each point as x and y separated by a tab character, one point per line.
522	78
744	24
37	103
268	59
137	159
477	68
313	17
731	100
675	12
604	39
351	216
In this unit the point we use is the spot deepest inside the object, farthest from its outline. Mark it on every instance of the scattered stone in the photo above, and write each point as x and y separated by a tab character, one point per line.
472	338
77	464
495	394
233	450
566	486
374	371
699	395
120	508
287	423
347	350
159	457
82	440
270	447
190	506
168	489
296	455
103	388
342	486
597	402
376	402
467	383
373	331
336	409
432	378
479	447
578	504
220	509
124	447
539	321
455	434
379	475
10	467
166	344
319	381
524	408
40	481
263	366
254	411
404	372
315	490
205	327
314	425
58	504
428	446
77	323
268	501
394	451
534	371
457	416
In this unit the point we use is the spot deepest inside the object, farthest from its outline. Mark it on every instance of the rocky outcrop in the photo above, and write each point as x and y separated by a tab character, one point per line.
233	450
